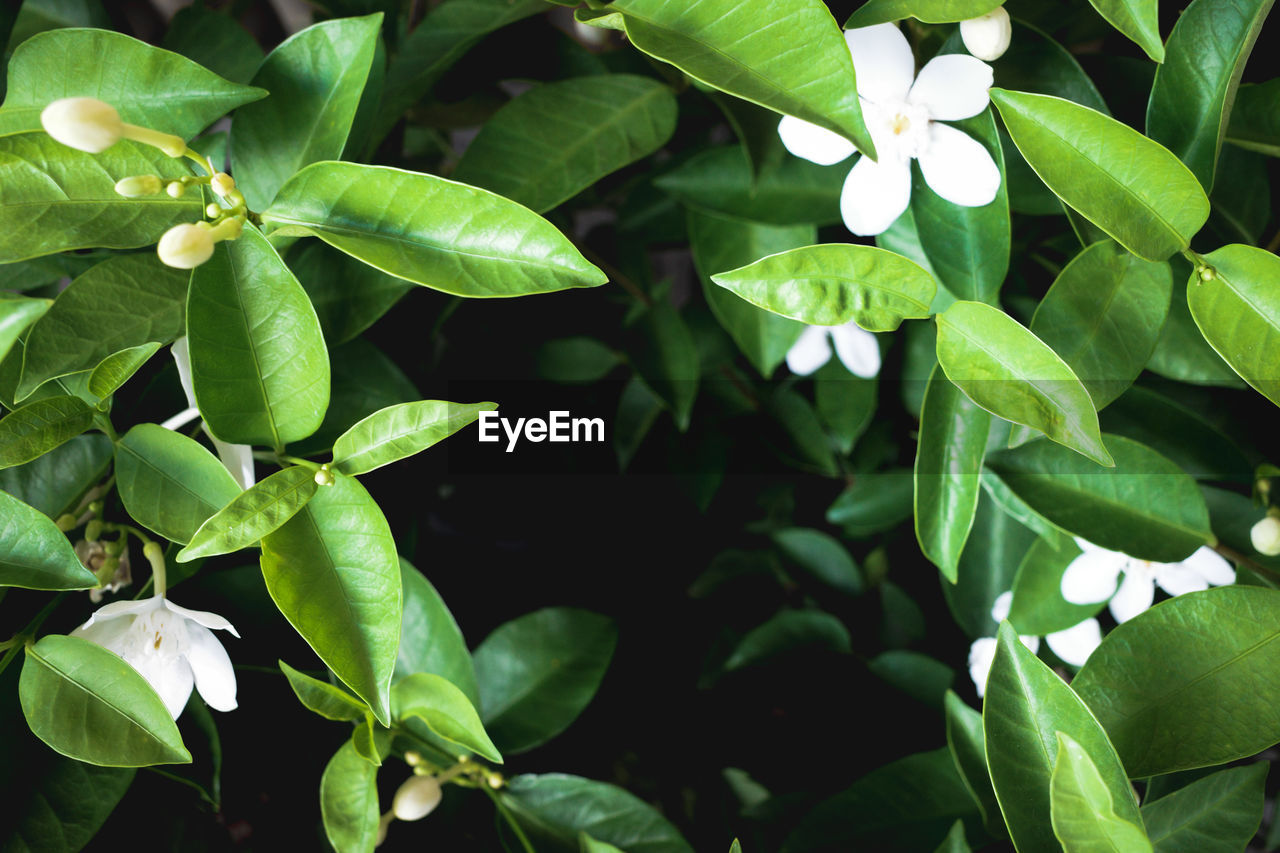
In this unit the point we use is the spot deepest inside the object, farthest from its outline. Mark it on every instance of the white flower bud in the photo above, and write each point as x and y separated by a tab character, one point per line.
213	211
987	37
186	246
176	189
84	123
1265	536
417	798
139	185
223	184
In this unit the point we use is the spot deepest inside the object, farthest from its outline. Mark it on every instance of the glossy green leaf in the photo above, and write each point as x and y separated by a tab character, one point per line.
107	713
398	432
15	316
30	431
666	359
1238	311
1219	813
790	632
431	231
969	752
1132	188
1255	122
987	567
53	482
1195	87
820	555
1026	706
430	640
590	845
1182	353
807	443
1038	606
148	86
117	368
315	78
169	483
323	698
1138	20
876	501
252	514
349	801
446	710
259	366
919	676
747	49
953	442
54	198
1186	436
557	139
34	553
332	570
537	673
955	842
1008	371
349	296
1159	682
1082	809
833	283
366	738
215	40
929	11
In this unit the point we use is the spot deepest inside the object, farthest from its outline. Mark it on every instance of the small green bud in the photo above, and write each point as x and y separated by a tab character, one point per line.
93	530
96	507
212	210
66	522
1207	273
223	184
138	186
175	189
324	476
114	547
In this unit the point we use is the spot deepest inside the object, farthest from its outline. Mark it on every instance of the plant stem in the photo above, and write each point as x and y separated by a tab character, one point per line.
616	275
28	633
510	819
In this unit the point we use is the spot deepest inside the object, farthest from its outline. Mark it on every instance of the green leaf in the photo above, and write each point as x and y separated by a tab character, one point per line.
169	483
1038	606
1159	682
321	697
875	502
969	752
15	316
789	632
1132	188
30	431
366	738
34	553
987	567
1255	122
107	714
1217	814
1186	437
1195	88
430	231
590	845
955	842
349	801
845	403
315	78
54	198
1238	311
121	303
557	139
1182	352
214	40
822	556
398	432
1026	706
252	514
833	283
349	296
919	676
430	640
746	49
1138	20
1008	371
1145	506
117	368
537	673
953	442
446	710
666	359
332	570
803	431
929	11
1084	817
259	366
148	86
53	482
576	360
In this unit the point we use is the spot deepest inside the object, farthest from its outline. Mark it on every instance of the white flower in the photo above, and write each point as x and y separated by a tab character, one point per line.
238	458
904	118
856	348
1265	536
1073	645
1091	578
987	36
416	798
170	646
86	124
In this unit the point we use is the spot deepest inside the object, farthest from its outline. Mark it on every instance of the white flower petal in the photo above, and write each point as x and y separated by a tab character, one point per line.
958	168
810	351
181	419
812	142
122	608
1091	577
1031	641
987	36
202	617
214	677
1179	578
875	194
857	349
171	677
1075	644
182	357
1087	546
1211	566
236	458
110	634
981	653
1134	595
952	87
1003	604
883	62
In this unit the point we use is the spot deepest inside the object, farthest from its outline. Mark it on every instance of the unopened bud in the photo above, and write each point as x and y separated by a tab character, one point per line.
324	476
1206	273
223	184
66	522
176	189
186	246
86	124
413	758
93	530
1265	536
139	186
417	798
987	36
212	210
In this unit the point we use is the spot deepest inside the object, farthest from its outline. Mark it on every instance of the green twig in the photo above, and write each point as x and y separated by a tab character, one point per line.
510	819
28	633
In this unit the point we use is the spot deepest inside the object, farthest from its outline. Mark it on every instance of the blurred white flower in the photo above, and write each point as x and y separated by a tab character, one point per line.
1073	645
1265	536
416	798
857	349
238	458
987	36
86	124
1091	578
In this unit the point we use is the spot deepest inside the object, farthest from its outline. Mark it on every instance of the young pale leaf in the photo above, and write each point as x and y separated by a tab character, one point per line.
1132	188
1255	121
259	365
15	316
1038	606
117	368
833	283
315	78
445	709
1159	682
365	739
34	553
1082	810
537	673
969	752
1008	371
590	845
52	483
1195	87
748	48
107	713
1144	506
431	231
252	514
557	139
148	86
1137	19
430	640
1238	311
398	432
32	430
953	442
321	697
332	570
1219	813
169	483
1026	705
929	11
349	801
